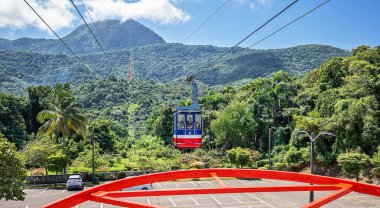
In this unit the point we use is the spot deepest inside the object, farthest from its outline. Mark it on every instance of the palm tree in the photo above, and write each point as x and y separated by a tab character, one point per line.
63	118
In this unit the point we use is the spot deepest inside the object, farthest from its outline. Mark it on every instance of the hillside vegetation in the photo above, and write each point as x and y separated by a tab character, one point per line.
131	122
160	63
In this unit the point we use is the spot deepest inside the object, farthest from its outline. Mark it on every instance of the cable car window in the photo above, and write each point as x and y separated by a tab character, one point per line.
198	121
181	121
189	120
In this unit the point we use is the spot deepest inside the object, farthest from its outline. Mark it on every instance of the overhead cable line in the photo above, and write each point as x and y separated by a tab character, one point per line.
63	42
206	20
283	27
92	33
92	20
245	38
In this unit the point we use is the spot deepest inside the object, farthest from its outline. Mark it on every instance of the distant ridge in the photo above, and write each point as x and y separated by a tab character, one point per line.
113	34
159	62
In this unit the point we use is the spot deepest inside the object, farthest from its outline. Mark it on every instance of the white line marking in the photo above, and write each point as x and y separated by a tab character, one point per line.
85	188
262	200
43	191
225	181
171	200
158	185
77	206
193	183
147	200
218	202
209	182
176	184
196	203
353	197
27	207
240	181
235	198
64	190
366	201
101	205
260	205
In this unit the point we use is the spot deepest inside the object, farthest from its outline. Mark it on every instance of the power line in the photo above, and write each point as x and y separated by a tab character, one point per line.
92	20
245	38
206	20
283	27
64	43
93	35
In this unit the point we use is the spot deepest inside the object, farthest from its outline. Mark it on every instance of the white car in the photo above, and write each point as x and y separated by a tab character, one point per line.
74	181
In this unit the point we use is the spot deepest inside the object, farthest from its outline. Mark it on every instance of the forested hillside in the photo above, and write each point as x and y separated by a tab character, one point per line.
26	61
160	63
131	122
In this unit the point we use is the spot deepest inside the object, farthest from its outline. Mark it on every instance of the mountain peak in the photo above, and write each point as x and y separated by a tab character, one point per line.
114	34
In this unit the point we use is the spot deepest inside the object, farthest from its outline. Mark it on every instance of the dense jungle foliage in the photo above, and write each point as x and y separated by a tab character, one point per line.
131	121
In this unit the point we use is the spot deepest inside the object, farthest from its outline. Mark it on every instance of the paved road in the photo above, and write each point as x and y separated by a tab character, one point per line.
38	197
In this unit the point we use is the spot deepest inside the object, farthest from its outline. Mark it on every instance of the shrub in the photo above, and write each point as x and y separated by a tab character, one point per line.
280	166
293	157
197	165
262	163
239	156
353	163
375	160
121	175
80	170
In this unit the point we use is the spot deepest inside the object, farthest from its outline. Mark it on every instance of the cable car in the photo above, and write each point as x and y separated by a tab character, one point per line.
187	123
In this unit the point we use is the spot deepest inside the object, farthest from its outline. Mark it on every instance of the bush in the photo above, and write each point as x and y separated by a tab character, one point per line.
293	157
80	170
353	163
239	156
375	160
262	163
121	175
197	165
376	172
280	166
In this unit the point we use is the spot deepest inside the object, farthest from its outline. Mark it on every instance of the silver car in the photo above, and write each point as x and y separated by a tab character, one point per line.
74	181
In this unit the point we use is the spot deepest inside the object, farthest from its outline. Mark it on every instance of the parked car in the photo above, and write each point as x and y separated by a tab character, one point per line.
74	181
147	186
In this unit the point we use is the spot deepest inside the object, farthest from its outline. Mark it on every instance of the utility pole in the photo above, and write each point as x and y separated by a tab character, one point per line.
93	158
270	147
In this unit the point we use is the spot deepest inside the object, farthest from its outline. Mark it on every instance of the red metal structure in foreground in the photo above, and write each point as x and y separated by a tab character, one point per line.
110	193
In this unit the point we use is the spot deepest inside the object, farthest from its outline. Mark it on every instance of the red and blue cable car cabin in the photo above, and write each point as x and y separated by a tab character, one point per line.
187	124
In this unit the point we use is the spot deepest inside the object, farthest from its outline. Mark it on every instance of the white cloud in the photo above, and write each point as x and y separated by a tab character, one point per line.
16	14
162	11
59	14
265	3
255	4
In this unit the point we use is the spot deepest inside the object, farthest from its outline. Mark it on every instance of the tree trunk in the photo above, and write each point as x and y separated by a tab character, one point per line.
357	176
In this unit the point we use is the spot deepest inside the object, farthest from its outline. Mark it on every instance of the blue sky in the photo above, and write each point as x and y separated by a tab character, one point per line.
341	23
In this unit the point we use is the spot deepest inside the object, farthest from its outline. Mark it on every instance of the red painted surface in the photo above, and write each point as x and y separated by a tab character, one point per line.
109	193
187	142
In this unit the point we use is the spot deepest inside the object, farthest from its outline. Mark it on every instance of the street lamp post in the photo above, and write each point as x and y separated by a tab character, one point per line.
269	147
312	138
93	159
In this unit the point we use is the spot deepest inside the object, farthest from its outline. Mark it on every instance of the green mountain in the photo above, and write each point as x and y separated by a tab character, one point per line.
112	34
27	61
